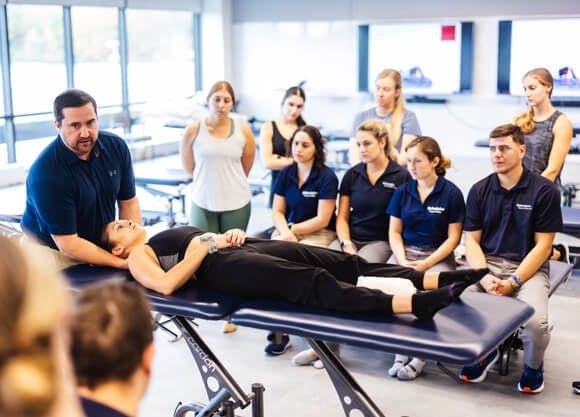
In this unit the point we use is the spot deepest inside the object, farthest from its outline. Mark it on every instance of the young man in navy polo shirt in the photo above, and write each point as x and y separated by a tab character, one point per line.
512	217
75	185
112	348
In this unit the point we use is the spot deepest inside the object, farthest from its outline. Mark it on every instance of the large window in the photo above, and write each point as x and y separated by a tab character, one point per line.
3	147
96	53
37	56
104	47
161	58
1	100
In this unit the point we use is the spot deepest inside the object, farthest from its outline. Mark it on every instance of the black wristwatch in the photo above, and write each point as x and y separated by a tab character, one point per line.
211	243
345	242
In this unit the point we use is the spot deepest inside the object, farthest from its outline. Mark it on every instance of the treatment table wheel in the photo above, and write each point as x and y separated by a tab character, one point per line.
183	409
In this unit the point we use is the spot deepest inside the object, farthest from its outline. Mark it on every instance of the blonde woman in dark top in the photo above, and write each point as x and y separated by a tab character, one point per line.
362	222
548	134
548	131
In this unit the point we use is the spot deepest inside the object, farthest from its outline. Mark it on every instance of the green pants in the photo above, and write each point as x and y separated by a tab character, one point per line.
220	221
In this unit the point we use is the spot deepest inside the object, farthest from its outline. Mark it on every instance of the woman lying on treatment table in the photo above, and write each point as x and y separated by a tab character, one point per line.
236	265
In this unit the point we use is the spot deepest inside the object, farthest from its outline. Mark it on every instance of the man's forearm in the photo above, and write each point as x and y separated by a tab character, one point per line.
130	210
474	255
83	250
532	262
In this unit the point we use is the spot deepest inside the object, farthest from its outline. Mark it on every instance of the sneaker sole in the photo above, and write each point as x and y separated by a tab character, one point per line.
528	390
483	375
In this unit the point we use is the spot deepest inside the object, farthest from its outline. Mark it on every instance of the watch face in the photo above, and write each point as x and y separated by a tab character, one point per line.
211	243
212	246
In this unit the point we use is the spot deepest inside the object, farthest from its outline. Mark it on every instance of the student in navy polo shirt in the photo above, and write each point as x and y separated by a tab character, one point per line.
427	217
305	193
365	192
75	185
512	217
304	203
112	348
366	189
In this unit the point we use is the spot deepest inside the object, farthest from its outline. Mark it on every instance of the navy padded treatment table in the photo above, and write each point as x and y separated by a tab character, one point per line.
461	333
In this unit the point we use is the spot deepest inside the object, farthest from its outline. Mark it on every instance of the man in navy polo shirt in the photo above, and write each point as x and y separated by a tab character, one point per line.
112	348
512	217
76	183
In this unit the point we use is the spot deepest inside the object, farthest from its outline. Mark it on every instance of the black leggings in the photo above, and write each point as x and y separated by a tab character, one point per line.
300	274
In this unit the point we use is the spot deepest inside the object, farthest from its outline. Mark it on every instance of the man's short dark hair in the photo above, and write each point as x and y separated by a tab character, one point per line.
111	328
509	130
71	98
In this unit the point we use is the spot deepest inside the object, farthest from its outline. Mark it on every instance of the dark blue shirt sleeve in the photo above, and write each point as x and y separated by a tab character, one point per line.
280	183
473	217
346	183
549	216
456	206
127	189
328	185
394	208
55	203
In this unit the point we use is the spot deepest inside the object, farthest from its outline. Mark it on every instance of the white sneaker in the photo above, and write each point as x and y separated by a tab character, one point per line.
317	364
400	361
306	357
411	370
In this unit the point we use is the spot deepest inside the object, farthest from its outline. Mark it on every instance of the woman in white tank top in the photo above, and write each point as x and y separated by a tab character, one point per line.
218	152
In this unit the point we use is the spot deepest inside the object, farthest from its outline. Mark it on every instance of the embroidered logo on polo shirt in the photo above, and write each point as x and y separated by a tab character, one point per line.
435	210
521	206
389	184
310	194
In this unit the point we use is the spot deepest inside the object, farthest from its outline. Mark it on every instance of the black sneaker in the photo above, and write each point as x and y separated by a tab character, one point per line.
576	386
477	372
276	349
532	381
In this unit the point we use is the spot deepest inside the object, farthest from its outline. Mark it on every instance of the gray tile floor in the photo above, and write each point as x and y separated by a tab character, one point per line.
305	391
